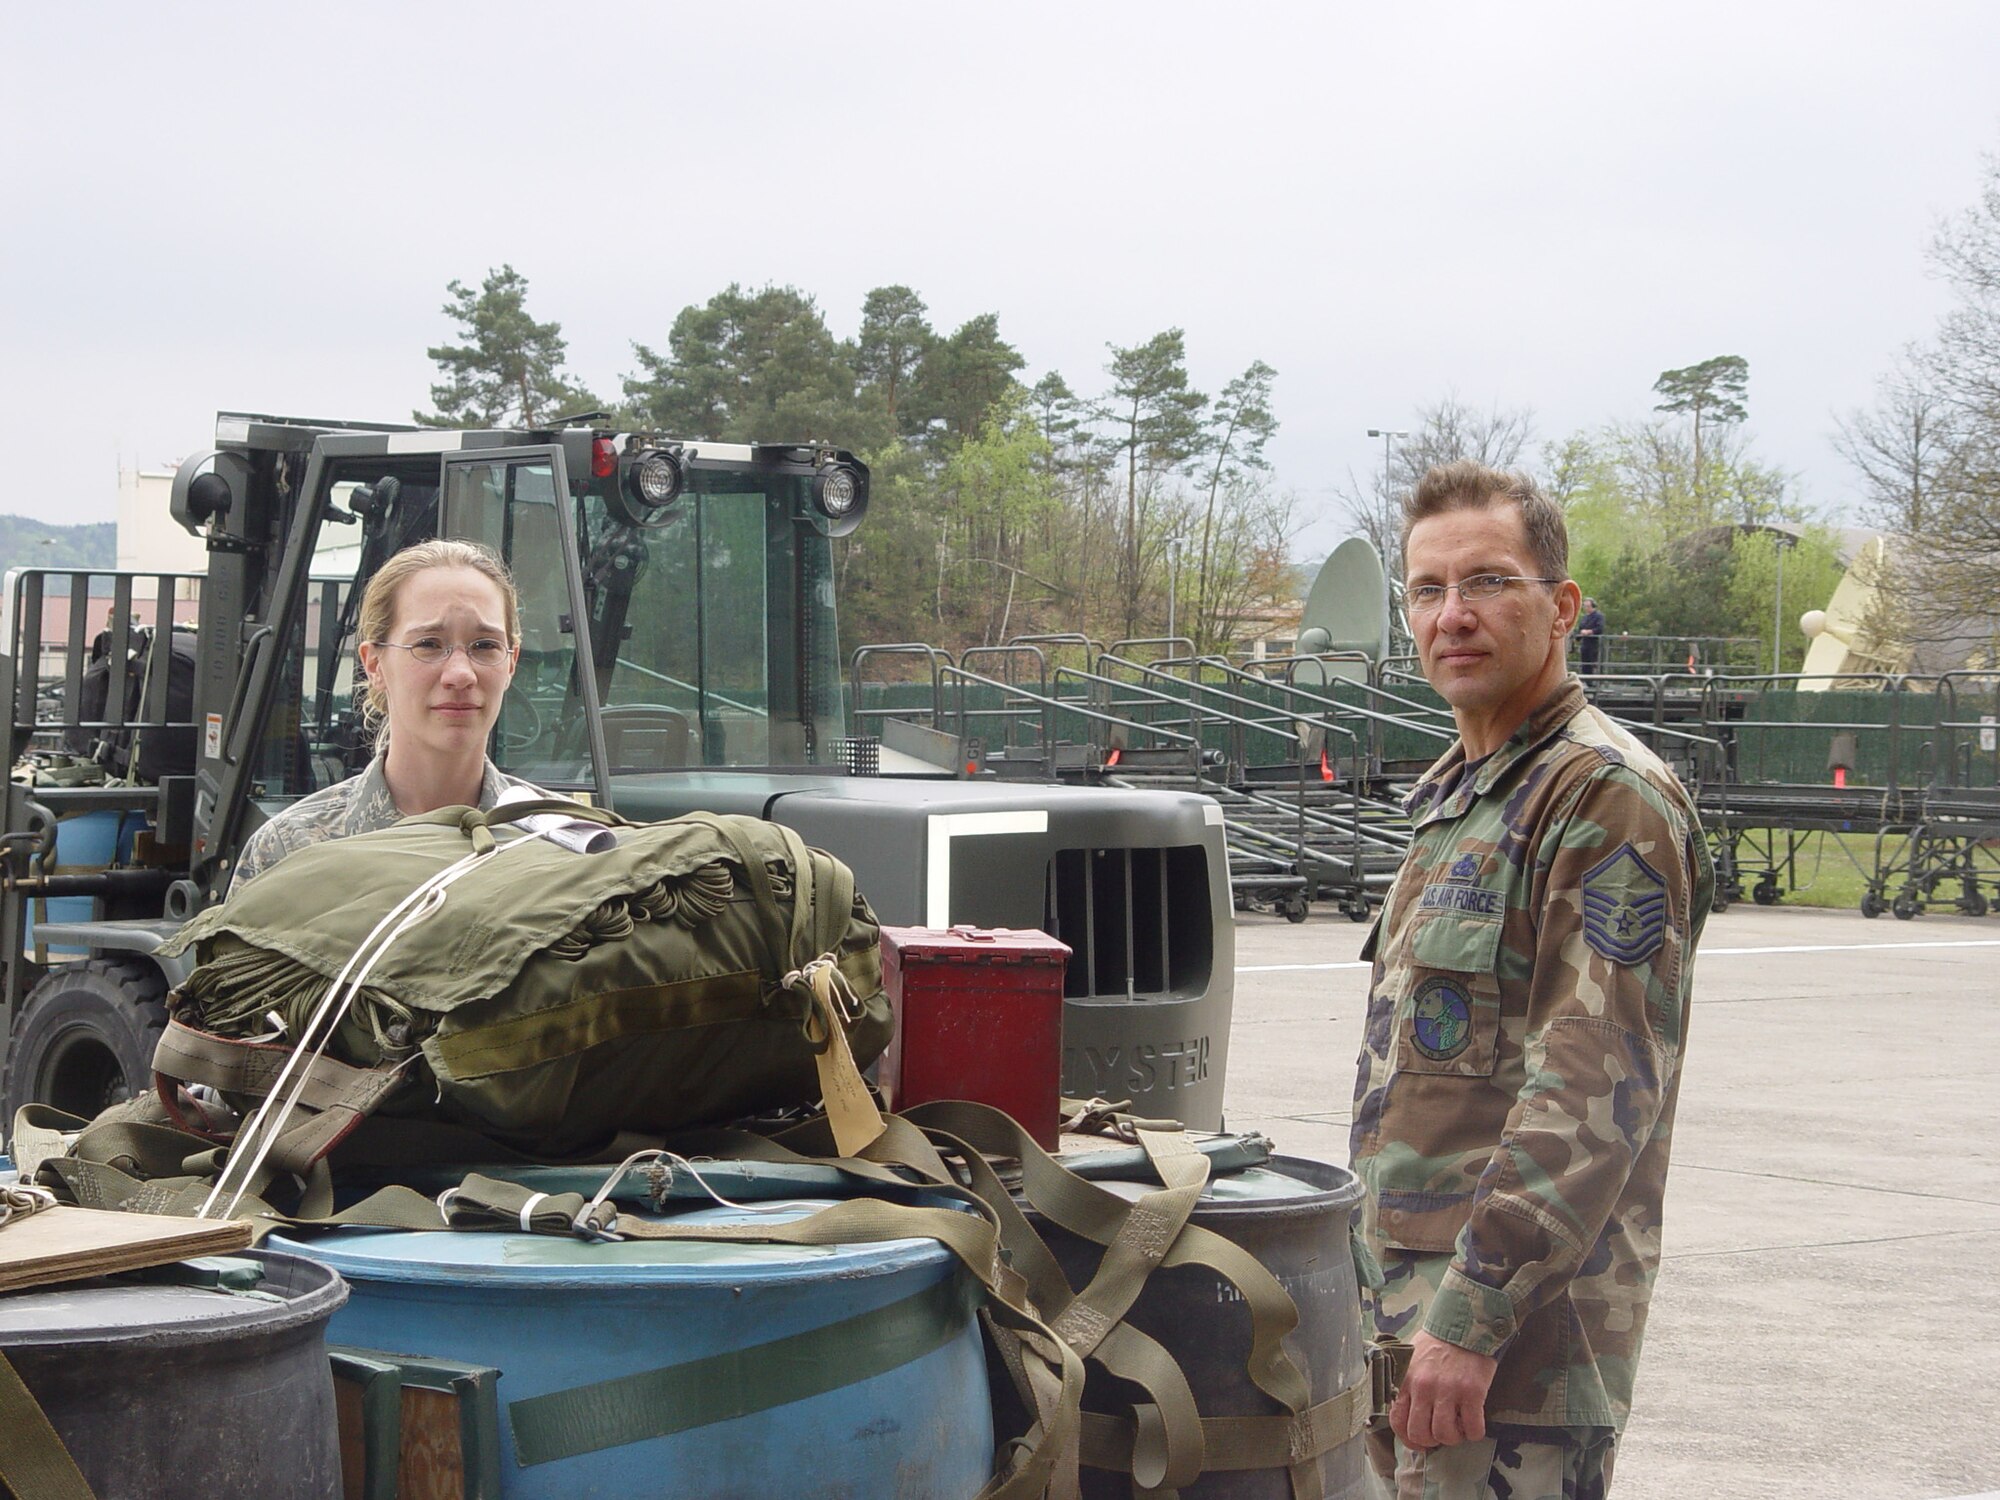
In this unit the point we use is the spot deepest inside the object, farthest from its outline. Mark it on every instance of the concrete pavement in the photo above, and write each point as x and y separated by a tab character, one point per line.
1823	1324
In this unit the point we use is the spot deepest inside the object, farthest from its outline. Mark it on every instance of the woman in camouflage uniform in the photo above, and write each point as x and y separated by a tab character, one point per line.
440	634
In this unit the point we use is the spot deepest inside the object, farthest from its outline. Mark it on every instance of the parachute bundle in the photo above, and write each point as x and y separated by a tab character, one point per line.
456	968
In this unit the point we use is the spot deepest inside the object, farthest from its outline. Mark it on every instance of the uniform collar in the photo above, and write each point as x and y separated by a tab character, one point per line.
1425	804
374	807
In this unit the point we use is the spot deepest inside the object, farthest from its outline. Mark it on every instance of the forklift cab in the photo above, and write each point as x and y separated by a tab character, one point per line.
700	575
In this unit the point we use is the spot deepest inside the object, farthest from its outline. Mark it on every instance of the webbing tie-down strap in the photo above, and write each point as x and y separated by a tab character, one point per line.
1234	1443
34	1464
1088	1210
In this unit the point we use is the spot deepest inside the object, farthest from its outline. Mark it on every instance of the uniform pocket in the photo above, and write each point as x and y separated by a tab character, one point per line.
1449	1021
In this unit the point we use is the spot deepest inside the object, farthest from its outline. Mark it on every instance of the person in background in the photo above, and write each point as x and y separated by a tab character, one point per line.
1590	639
1515	1093
440	634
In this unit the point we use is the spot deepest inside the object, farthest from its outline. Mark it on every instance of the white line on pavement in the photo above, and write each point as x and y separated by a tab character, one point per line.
1855	948
1294	968
1704	953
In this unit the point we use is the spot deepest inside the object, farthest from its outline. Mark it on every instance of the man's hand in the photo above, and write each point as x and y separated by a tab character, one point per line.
1443	1396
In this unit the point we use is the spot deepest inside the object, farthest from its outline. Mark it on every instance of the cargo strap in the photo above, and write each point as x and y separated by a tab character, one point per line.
738	1382
1168	1447
34	1464
1166	1434
1234	1443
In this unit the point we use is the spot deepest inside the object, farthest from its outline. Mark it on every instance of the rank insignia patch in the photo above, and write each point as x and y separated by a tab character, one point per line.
1464	869
1624	907
1441	1021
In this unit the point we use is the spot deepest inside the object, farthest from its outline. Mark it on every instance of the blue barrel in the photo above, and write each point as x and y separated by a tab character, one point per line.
673	1368
86	842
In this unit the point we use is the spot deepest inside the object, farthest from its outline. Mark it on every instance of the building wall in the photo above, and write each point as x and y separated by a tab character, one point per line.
148	536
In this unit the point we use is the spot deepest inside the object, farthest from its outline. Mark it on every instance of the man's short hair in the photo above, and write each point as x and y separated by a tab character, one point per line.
1467	484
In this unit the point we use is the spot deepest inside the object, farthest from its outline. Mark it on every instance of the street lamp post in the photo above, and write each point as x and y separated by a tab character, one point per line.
1785	544
1386	436
1388	483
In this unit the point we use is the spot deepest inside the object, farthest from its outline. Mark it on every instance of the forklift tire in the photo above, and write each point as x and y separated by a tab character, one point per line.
86	1036
1871	904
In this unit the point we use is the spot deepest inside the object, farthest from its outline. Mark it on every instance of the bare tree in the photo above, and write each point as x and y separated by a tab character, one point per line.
1928	452
1899	445
1445	431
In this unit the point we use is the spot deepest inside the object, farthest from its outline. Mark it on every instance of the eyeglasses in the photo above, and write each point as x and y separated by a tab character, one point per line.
434	652
1422	598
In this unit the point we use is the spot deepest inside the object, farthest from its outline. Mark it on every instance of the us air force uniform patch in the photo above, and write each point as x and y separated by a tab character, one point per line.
1624	907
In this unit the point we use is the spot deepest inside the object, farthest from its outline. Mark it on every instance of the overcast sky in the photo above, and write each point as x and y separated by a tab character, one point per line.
1530	205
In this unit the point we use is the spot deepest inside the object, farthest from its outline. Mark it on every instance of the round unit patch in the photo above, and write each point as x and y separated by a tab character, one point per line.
1441	1025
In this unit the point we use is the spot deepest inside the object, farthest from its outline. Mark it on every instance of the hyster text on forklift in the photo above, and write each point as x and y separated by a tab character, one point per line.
679	654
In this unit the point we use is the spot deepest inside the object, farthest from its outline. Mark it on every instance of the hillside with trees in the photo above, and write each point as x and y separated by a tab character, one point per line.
26	543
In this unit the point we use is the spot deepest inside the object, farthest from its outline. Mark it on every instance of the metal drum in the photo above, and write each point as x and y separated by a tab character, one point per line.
165	1390
693	1370
1293	1215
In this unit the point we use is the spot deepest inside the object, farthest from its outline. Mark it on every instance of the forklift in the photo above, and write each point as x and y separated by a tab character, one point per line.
679	653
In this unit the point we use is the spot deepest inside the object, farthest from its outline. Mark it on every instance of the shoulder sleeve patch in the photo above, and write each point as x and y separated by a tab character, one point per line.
1624	907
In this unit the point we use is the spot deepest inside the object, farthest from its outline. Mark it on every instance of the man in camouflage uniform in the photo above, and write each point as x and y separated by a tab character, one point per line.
1518	1073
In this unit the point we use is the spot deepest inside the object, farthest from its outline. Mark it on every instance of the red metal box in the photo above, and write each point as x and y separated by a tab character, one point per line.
978	1016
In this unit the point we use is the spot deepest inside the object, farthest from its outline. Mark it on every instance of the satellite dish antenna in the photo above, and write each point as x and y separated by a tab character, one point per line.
1835	632
1347	609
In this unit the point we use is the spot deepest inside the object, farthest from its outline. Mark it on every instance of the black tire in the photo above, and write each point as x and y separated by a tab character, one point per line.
1358	910
1871	904
1296	908
1766	893
1905	907
1972	902
86	1036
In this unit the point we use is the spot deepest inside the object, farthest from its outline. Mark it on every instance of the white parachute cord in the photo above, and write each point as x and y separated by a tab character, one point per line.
248	1131
269	1119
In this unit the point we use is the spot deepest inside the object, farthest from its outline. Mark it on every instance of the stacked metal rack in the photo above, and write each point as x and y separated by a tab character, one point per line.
1309	758
1308	794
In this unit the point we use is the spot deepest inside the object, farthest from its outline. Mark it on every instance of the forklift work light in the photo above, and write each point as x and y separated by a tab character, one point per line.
840	495
653	482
